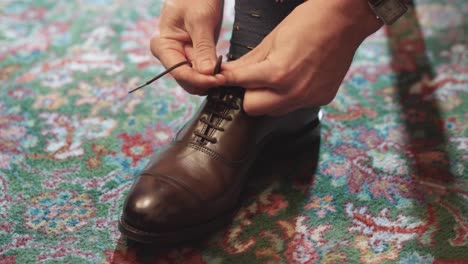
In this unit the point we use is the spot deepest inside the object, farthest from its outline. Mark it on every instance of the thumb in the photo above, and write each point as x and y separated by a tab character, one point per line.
204	50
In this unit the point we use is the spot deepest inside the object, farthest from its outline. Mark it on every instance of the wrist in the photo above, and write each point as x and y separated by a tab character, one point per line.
354	16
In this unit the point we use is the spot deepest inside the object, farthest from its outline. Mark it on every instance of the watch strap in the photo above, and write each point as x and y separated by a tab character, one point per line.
388	10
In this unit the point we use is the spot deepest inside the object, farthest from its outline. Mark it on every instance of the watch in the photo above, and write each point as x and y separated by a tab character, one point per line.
388	10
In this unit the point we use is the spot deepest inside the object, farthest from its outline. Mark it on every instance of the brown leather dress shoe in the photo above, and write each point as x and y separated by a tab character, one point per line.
193	186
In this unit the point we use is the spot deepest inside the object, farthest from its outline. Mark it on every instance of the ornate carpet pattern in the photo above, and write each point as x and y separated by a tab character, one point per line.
389	183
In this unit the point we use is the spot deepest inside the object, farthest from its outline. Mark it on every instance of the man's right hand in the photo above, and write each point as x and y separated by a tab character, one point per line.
188	30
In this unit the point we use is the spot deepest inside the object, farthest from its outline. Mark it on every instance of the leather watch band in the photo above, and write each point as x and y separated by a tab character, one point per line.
388	10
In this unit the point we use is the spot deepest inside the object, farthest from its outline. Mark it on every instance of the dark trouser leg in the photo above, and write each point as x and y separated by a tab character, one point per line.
254	20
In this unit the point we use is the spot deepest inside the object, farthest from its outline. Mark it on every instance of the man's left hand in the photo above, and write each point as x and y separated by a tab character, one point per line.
303	61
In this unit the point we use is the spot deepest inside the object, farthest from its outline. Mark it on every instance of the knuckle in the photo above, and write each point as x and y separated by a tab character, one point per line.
279	74
155	46
198	18
203	45
202	16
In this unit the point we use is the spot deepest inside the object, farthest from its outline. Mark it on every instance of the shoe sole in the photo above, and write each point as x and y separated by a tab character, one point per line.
288	144
181	236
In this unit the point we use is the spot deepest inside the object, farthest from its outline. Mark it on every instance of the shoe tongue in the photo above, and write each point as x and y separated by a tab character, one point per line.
215	95
236	91
223	92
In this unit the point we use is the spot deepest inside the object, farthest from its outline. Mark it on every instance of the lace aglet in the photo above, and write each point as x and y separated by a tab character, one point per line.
139	87
217	68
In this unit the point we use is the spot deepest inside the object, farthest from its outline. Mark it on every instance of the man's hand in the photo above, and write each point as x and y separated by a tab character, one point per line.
188	30
303	61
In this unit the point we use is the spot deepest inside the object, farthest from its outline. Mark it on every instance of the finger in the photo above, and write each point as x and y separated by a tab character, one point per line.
190	88
268	102
254	56
204	49
189	52
250	76
171	52
195	90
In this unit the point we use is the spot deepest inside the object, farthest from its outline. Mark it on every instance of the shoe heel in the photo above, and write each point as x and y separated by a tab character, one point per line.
306	139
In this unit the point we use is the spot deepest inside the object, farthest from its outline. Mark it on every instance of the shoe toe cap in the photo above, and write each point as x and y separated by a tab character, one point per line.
154	204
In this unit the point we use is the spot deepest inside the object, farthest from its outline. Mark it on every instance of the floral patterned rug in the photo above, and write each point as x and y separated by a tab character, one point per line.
389	183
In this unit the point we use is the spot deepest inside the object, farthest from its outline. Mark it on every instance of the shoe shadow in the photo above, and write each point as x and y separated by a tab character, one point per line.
427	143
293	170
417	87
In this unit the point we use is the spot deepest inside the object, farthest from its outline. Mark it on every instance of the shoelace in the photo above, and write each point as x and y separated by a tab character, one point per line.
162	74
219	104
